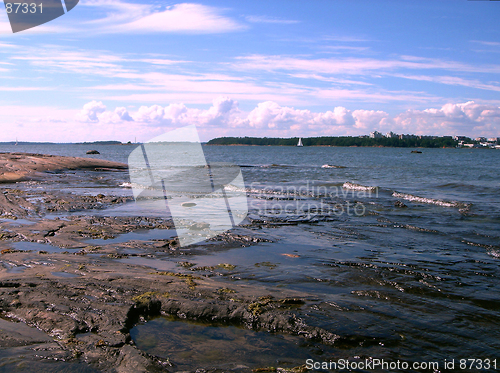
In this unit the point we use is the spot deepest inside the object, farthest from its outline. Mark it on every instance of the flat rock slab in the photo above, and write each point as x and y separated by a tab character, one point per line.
19	334
25	166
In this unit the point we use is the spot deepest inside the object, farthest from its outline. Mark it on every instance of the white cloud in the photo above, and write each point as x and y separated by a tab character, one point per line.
271	115
118	116
296	81
80	62
269	118
489	43
116	16
90	112
225	118
179	18
370	119
355	66
467	118
117	11
266	19
452	80
23	89
223	112
152	114
4	46
6	29
161	61
330	79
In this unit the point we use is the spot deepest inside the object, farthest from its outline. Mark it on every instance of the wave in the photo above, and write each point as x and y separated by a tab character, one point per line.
331	166
274	165
234	188
353	186
126	185
494	253
456	186
432	201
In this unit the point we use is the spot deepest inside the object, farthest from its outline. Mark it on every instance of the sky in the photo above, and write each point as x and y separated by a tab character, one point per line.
133	70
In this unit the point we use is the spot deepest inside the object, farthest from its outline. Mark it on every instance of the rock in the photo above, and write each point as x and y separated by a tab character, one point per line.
91	313
92	152
19	334
199	226
16	167
400	204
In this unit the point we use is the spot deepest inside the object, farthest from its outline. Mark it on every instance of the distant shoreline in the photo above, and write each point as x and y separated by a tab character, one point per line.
67	143
341	146
403	141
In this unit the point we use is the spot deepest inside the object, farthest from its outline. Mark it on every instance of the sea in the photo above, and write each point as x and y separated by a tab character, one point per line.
398	252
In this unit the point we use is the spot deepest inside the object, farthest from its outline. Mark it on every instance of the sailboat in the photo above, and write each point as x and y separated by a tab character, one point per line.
300	142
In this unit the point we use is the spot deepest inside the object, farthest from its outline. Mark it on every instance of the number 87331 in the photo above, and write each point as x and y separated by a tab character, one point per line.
23	7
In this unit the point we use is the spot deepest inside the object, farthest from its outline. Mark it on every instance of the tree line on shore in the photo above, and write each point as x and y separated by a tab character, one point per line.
420	142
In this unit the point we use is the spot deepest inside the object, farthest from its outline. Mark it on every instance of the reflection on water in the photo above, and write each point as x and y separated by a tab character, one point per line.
27	359
64	274
190	345
141	235
35	246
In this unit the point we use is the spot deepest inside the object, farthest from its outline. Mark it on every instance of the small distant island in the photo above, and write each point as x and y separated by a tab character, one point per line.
375	139
109	142
105	142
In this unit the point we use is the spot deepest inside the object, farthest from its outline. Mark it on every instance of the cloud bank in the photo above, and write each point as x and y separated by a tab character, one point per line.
95	121
269	118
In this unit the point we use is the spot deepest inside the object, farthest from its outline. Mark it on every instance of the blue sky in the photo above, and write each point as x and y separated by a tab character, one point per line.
116	69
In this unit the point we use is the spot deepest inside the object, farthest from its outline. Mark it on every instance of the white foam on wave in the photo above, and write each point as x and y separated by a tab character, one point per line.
126	185
331	166
432	201
234	188
494	253
352	186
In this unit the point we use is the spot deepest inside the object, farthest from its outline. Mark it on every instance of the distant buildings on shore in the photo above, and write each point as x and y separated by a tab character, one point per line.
375	135
463	141
478	142
375	139
392	135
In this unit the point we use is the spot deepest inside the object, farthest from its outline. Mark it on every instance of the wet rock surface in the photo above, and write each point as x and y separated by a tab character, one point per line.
26	166
66	299
90	315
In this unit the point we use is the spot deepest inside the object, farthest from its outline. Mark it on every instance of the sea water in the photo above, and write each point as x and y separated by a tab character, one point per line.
412	274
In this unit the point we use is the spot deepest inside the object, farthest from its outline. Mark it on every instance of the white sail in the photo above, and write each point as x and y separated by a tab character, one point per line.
300	142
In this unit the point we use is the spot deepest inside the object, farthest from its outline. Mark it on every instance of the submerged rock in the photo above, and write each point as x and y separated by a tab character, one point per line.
199	226
92	152
400	204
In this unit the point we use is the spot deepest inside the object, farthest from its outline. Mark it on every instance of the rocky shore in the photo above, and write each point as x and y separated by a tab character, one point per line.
75	302
26	166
